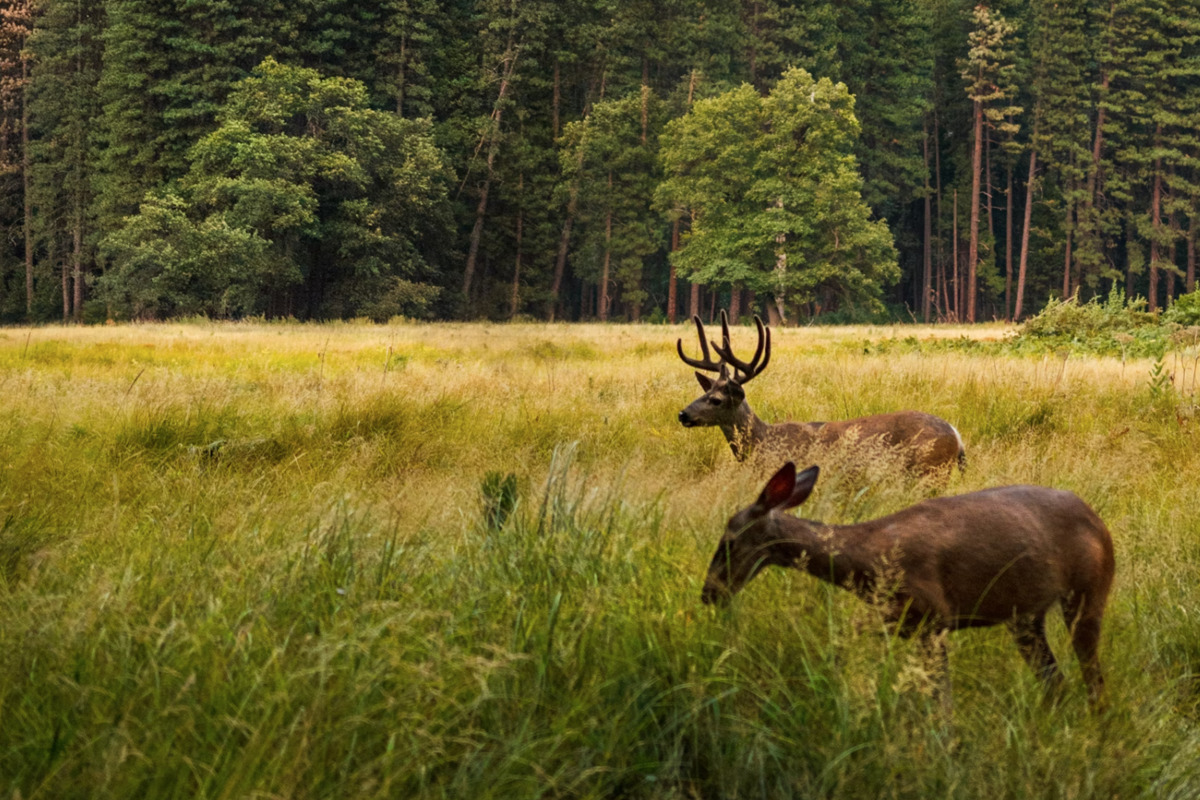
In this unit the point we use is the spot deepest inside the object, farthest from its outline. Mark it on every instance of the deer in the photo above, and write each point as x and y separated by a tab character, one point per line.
928	444
999	556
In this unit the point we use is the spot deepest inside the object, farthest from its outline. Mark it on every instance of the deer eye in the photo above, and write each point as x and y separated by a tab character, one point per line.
714	401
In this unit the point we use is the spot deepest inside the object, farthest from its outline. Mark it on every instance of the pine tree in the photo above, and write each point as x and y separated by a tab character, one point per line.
988	72
65	48
16	203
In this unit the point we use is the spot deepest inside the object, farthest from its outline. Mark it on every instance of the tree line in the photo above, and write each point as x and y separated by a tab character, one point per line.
588	159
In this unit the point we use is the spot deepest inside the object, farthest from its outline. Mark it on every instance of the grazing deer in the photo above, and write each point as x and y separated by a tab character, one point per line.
929	443
1003	555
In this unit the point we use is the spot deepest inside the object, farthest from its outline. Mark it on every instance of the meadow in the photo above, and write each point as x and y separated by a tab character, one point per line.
464	561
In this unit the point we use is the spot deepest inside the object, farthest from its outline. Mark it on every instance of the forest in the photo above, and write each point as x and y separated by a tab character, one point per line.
594	160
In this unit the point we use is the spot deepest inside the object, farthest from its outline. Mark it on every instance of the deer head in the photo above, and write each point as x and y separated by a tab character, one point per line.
752	535
723	396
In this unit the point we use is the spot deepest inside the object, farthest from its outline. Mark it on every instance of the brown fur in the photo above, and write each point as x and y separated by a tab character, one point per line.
1004	555
928	443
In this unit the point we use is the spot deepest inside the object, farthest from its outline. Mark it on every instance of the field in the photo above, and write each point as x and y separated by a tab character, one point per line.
285	561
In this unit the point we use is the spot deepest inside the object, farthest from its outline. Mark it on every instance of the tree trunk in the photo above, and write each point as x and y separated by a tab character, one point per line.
973	246
564	239
672	281
780	275
1156	226
957	266
77	262
1070	231
1008	245
941	253
515	303
1190	280
694	301
26	169
1025	231
1173	227
927	261
66	291
735	303
607	255
493	145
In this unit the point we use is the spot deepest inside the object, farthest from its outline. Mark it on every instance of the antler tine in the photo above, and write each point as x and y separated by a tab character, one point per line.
745	371
706	363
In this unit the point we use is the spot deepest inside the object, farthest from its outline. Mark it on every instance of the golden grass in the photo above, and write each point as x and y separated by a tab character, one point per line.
249	559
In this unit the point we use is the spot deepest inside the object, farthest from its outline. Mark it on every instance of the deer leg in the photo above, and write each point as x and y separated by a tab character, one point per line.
1084	624
1030	633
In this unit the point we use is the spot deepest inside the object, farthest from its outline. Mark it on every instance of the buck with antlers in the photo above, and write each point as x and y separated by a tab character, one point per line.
1003	555
929	443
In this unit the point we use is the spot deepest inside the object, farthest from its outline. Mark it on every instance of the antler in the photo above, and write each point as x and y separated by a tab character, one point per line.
706	364
744	372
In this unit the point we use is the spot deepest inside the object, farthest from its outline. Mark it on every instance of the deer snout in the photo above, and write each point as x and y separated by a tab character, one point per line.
686	420
715	594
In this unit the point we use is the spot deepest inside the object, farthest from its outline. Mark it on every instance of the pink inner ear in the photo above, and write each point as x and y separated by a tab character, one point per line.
779	487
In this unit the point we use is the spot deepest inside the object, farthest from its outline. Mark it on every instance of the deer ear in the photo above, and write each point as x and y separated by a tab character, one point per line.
706	383
805	482
779	488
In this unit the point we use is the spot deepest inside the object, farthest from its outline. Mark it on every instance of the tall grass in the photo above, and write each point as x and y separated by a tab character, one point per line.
266	561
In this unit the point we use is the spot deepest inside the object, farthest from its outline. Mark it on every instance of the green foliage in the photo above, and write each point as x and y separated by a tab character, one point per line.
773	190
1113	326
1185	310
165	264
301	185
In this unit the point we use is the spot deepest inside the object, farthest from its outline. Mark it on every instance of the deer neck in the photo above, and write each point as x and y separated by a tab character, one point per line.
745	432
832	553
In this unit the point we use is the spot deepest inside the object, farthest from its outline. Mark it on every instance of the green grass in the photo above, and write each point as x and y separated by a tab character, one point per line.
259	561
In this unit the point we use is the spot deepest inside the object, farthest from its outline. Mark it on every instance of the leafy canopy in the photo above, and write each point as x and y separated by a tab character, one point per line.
774	193
302	191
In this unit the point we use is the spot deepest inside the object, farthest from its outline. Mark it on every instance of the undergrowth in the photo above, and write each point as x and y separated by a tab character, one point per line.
280	565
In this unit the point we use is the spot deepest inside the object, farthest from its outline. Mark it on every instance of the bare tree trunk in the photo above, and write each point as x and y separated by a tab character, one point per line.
1069	224
77	261
694	301
1173	227
735	303
941	253
564	239
973	246
607	256
672	281
1025	231
66	291
493	145
1190	279
26	169
957	266
927	272
515	303
1156	226
1008	245
988	188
